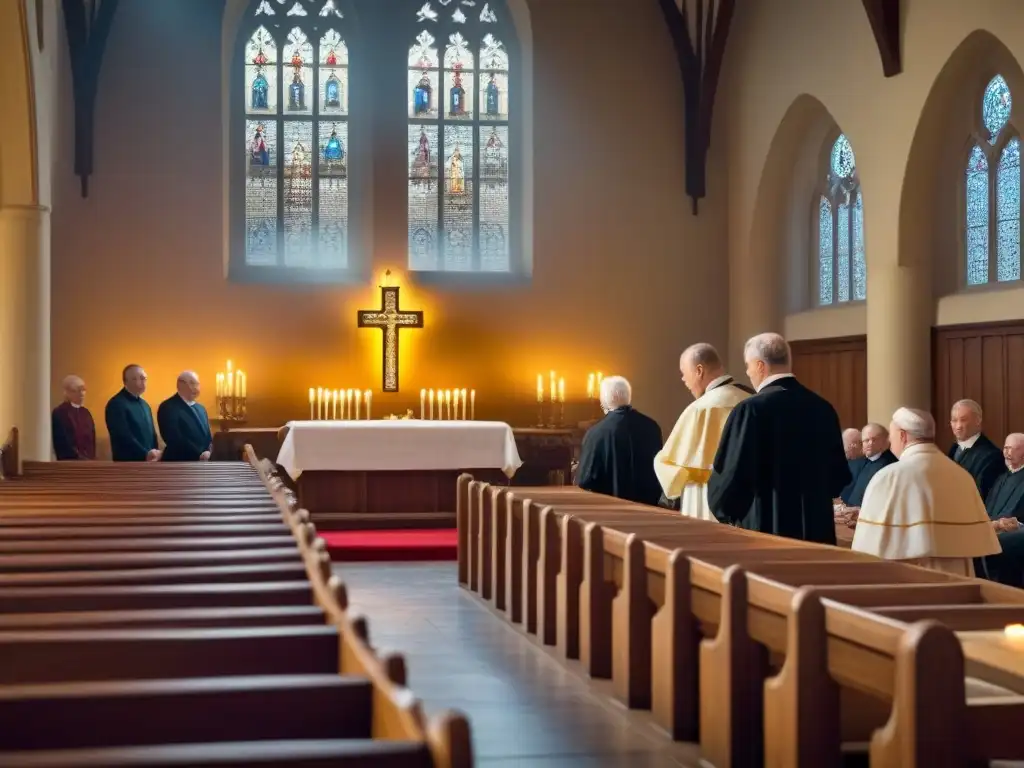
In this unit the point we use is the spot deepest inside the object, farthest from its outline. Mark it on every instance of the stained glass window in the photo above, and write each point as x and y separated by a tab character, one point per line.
296	107
842	270
459	138
992	200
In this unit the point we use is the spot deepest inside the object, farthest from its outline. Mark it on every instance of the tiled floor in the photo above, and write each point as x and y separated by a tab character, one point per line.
526	708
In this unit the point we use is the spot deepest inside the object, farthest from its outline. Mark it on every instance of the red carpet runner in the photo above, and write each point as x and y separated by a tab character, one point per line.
388	546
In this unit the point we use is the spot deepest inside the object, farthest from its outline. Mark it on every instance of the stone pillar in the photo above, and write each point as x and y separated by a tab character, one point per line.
25	327
900	311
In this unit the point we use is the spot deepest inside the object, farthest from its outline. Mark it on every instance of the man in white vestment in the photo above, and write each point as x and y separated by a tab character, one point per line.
924	509
683	465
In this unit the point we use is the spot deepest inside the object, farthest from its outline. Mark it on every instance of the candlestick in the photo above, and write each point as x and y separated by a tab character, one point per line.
423	403
472	404
561	390
359	397
540	388
431	405
369	397
463	404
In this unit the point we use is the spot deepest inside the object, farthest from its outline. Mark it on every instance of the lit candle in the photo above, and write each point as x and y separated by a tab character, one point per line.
540	388
463	404
244	378
561	390
359	397
319	402
220	384
552	392
472	404
431	397
455	402
448	402
348	398
369	397
1014	631
423	403
312	400
600	378
334	404
590	386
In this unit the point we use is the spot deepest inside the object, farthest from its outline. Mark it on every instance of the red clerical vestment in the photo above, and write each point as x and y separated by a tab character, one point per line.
74	433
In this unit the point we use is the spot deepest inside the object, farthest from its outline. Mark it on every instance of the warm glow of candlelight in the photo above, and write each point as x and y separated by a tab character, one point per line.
369	400
359	397
448	402
590	386
540	388
431	395
348	403
455	402
463	403
335	396
561	390
1014	631
423	403
552	392
472	404
319	402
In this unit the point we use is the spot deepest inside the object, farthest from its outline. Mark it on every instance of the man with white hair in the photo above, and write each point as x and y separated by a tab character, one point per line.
71	424
683	466
780	462
617	456
973	451
1005	505
184	425
923	510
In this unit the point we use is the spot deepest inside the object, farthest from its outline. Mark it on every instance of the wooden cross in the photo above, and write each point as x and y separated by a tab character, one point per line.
390	319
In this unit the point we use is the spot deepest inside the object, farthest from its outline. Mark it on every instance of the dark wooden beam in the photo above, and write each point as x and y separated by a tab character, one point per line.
87	23
884	17
700	47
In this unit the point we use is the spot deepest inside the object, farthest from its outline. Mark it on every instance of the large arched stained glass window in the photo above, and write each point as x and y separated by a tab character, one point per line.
992	193
295	59
842	272
460	218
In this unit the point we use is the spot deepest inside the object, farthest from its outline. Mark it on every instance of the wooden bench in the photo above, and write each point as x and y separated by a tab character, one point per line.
165	613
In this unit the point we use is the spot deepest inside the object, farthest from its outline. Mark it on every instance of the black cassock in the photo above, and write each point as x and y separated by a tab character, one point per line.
853	494
984	460
1006	499
617	457
855	465
780	464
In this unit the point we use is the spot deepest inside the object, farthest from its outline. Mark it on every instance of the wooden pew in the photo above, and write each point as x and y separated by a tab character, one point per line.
170	635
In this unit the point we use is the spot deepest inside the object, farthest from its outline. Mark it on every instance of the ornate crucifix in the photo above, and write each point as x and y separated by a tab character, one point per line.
390	319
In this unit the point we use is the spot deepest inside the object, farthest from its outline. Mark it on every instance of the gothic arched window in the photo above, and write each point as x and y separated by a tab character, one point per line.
291	215
992	192
460	140
842	273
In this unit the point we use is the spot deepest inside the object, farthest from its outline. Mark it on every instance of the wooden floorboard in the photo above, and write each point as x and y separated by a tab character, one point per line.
526	707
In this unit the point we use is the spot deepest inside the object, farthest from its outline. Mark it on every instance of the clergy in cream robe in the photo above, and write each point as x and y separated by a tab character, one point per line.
684	463
924	509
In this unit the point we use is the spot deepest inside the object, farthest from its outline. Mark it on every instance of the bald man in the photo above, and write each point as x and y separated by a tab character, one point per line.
1005	506
183	422
780	462
923	509
72	426
683	465
973	451
854	458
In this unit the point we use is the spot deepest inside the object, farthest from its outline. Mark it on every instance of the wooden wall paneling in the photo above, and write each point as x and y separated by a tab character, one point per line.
837	370
984	362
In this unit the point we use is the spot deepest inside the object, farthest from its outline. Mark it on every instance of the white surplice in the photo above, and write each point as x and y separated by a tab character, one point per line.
925	508
403	444
683	465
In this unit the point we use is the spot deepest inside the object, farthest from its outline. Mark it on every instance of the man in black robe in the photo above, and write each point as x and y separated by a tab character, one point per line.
780	462
1005	506
973	451
184	424
617	456
854	457
130	420
875	443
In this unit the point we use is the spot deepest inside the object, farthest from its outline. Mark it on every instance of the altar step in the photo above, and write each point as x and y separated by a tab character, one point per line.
382	521
438	544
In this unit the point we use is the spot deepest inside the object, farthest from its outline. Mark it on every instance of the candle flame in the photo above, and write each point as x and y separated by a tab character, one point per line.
1014	631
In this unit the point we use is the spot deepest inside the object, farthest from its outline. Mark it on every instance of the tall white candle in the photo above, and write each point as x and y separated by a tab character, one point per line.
472	405
431	405
369	399
348	399
423	403
359	397
455	402
463	404
448	402
319	402
312	401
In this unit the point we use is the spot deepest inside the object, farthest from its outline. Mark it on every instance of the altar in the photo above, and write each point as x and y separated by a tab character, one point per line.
391	473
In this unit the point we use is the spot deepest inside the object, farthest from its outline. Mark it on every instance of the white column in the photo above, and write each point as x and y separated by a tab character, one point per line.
25	327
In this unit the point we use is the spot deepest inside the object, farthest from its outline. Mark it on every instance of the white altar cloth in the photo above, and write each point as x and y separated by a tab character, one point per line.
404	444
